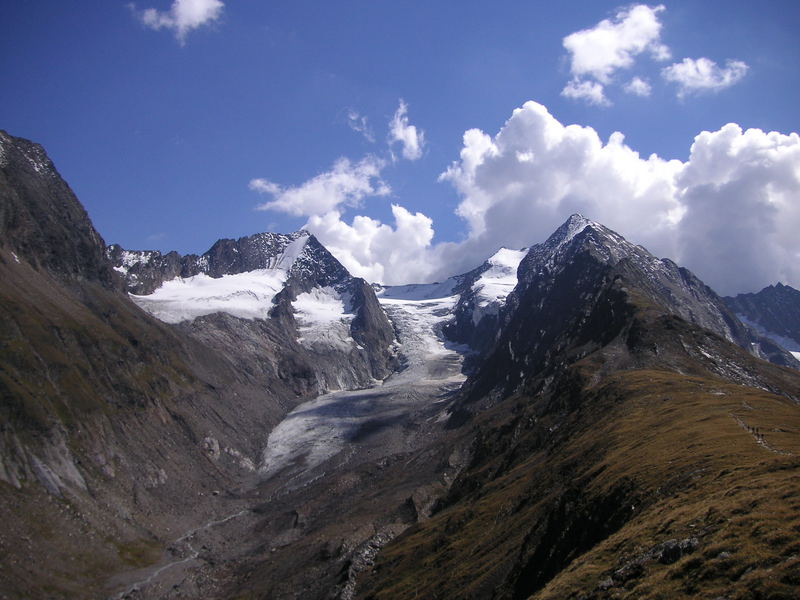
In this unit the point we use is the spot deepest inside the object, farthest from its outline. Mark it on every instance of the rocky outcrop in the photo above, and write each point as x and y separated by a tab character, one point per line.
42	221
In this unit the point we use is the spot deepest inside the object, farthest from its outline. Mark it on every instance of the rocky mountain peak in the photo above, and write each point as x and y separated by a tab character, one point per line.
41	221
774	312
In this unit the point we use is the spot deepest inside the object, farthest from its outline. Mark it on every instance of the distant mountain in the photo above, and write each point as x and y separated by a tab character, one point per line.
774	313
469	317
290	281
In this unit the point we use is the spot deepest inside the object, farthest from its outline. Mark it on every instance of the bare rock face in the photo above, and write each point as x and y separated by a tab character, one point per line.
42	221
773	316
575	295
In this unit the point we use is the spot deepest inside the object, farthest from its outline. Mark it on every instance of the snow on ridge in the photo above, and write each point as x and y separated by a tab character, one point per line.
497	282
290	253
418	291
575	224
244	295
324	319
790	345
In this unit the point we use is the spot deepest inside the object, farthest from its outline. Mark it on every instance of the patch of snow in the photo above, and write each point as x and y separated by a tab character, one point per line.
245	295
792	346
417	291
293	250
497	282
323	319
37	160
16	258
575	225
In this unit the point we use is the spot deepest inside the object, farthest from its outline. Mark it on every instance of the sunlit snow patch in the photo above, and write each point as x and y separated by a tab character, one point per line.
246	295
323	319
497	282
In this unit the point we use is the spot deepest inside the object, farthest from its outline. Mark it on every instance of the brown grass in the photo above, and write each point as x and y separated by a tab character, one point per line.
649	456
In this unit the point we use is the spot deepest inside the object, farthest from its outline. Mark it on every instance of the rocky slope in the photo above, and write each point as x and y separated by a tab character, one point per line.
622	443
774	313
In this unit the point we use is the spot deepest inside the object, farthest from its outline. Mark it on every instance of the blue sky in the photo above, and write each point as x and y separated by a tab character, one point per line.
164	130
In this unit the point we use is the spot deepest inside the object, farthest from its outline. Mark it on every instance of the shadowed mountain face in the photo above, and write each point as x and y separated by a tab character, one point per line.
616	432
619	435
773	312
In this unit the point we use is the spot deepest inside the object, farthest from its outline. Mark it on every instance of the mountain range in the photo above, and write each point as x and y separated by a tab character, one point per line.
575	419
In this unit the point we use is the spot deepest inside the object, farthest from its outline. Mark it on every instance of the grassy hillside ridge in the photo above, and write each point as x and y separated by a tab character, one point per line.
663	464
649	457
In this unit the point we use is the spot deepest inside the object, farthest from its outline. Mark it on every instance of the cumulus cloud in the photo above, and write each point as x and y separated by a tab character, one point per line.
517	186
703	75
408	136
377	251
729	212
638	87
182	17
590	91
611	45
346	183
360	124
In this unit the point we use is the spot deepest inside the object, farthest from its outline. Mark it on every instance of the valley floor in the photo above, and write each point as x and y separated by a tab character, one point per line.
340	476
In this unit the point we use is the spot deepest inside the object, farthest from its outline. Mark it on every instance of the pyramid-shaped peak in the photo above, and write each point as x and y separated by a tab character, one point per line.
568	230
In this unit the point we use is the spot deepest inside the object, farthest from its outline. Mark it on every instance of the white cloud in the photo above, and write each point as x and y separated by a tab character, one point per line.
411	138
591	91
346	183
376	251
638	87
703	75
741	190
359	124
730	212
182	17
613	44
519	185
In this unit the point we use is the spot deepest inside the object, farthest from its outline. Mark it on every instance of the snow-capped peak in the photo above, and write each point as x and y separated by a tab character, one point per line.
247	295
496	282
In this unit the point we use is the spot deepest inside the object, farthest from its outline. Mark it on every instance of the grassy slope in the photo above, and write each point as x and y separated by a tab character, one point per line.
571	496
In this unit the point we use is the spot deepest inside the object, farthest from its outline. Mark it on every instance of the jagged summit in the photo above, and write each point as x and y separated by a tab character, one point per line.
774	312
298	253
